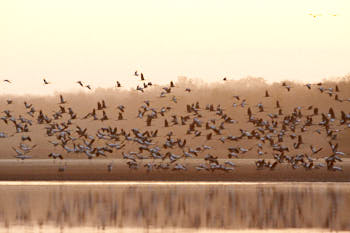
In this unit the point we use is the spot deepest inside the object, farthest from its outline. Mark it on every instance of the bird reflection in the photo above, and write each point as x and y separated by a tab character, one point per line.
229	207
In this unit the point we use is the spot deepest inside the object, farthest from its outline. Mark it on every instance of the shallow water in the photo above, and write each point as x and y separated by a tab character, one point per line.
172	206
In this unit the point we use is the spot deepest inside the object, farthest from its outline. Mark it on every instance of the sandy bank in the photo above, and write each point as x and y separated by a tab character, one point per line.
245	170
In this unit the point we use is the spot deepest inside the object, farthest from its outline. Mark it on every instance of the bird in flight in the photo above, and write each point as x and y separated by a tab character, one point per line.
46	82
62	101
80	83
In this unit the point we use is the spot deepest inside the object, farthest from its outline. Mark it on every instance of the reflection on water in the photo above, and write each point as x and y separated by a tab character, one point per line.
175	206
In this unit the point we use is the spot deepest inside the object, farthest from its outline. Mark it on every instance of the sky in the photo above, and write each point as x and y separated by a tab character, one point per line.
99	42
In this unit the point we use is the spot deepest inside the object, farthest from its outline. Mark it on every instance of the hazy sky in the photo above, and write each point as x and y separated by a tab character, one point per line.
100	42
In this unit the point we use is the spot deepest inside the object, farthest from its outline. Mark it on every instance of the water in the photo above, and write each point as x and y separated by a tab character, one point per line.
173	206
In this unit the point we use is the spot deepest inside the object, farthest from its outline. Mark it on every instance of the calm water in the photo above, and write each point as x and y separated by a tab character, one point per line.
173	207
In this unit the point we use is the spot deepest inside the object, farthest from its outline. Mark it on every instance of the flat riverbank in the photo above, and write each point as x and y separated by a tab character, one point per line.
118	170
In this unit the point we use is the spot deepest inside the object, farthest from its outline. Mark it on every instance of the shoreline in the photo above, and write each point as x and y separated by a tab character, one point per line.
96	170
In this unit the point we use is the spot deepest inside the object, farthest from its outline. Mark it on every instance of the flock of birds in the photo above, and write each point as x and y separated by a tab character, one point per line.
269	132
